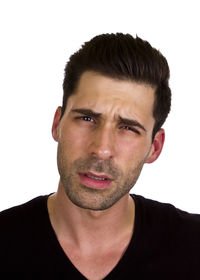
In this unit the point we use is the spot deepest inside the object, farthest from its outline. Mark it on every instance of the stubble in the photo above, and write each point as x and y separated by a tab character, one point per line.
91	198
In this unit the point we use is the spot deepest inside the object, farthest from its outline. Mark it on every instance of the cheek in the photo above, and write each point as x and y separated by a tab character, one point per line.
74	141
130	153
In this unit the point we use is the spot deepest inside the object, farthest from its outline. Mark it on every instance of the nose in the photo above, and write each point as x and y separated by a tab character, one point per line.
102	144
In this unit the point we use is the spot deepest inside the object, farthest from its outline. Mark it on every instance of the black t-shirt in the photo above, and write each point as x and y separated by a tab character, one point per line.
165	244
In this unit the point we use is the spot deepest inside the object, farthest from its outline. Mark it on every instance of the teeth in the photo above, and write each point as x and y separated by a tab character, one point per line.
96	178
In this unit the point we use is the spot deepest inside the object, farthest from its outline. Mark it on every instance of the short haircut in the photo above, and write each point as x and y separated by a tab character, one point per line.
123	57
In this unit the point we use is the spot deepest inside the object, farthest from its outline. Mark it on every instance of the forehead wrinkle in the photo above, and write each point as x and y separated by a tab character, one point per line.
113	101
103	115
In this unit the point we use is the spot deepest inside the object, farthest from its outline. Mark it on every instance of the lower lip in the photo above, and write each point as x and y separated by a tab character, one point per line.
95	184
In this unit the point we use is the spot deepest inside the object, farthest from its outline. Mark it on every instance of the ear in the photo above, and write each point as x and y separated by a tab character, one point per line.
55	125
156	146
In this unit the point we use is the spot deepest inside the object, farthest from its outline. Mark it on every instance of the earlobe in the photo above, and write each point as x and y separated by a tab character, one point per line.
55	125
157	146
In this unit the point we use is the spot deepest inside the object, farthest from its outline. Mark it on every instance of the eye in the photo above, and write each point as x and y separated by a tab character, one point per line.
131	129
87	119
84	118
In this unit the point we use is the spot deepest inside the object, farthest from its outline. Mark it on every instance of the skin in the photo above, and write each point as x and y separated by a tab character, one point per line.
86	218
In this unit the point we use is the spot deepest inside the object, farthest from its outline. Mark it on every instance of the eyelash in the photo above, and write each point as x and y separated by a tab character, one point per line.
126	127
85	118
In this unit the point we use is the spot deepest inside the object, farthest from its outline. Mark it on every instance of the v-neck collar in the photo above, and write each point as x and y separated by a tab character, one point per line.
127	258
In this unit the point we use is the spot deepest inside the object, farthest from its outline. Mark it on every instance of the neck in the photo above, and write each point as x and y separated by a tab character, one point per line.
84	228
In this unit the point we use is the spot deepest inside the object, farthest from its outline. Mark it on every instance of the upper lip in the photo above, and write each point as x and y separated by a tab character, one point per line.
97	175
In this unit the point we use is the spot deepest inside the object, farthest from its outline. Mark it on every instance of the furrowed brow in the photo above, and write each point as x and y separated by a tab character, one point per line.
131	123
87	112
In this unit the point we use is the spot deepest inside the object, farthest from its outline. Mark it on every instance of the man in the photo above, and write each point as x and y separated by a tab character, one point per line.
116	99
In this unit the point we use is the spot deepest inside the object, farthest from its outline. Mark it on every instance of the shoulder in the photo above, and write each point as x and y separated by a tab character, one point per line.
167	218
33	203
161	208
168	239
22	229
22	215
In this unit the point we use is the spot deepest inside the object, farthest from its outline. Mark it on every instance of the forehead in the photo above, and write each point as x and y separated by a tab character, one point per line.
112	96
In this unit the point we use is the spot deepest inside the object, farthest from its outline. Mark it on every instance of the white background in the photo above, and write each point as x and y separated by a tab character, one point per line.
36	40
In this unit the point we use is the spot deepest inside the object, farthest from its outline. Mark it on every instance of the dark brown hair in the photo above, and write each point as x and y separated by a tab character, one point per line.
120	56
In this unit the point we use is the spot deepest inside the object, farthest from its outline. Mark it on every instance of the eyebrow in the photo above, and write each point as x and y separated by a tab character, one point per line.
131	123
93	114
87	112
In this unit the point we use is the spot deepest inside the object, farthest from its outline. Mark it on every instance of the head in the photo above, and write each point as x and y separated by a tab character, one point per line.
116	98
122	57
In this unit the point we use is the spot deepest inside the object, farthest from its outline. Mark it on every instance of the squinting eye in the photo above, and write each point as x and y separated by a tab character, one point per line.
131	129
127	128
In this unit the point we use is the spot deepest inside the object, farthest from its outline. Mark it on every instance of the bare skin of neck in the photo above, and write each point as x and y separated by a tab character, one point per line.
89	234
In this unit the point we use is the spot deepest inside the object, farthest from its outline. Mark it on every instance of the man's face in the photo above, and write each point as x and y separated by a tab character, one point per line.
104	138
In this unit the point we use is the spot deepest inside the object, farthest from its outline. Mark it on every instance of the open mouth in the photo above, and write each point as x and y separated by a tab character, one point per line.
95	181
95	177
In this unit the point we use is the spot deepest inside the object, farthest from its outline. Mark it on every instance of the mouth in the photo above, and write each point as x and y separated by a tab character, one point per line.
95	181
